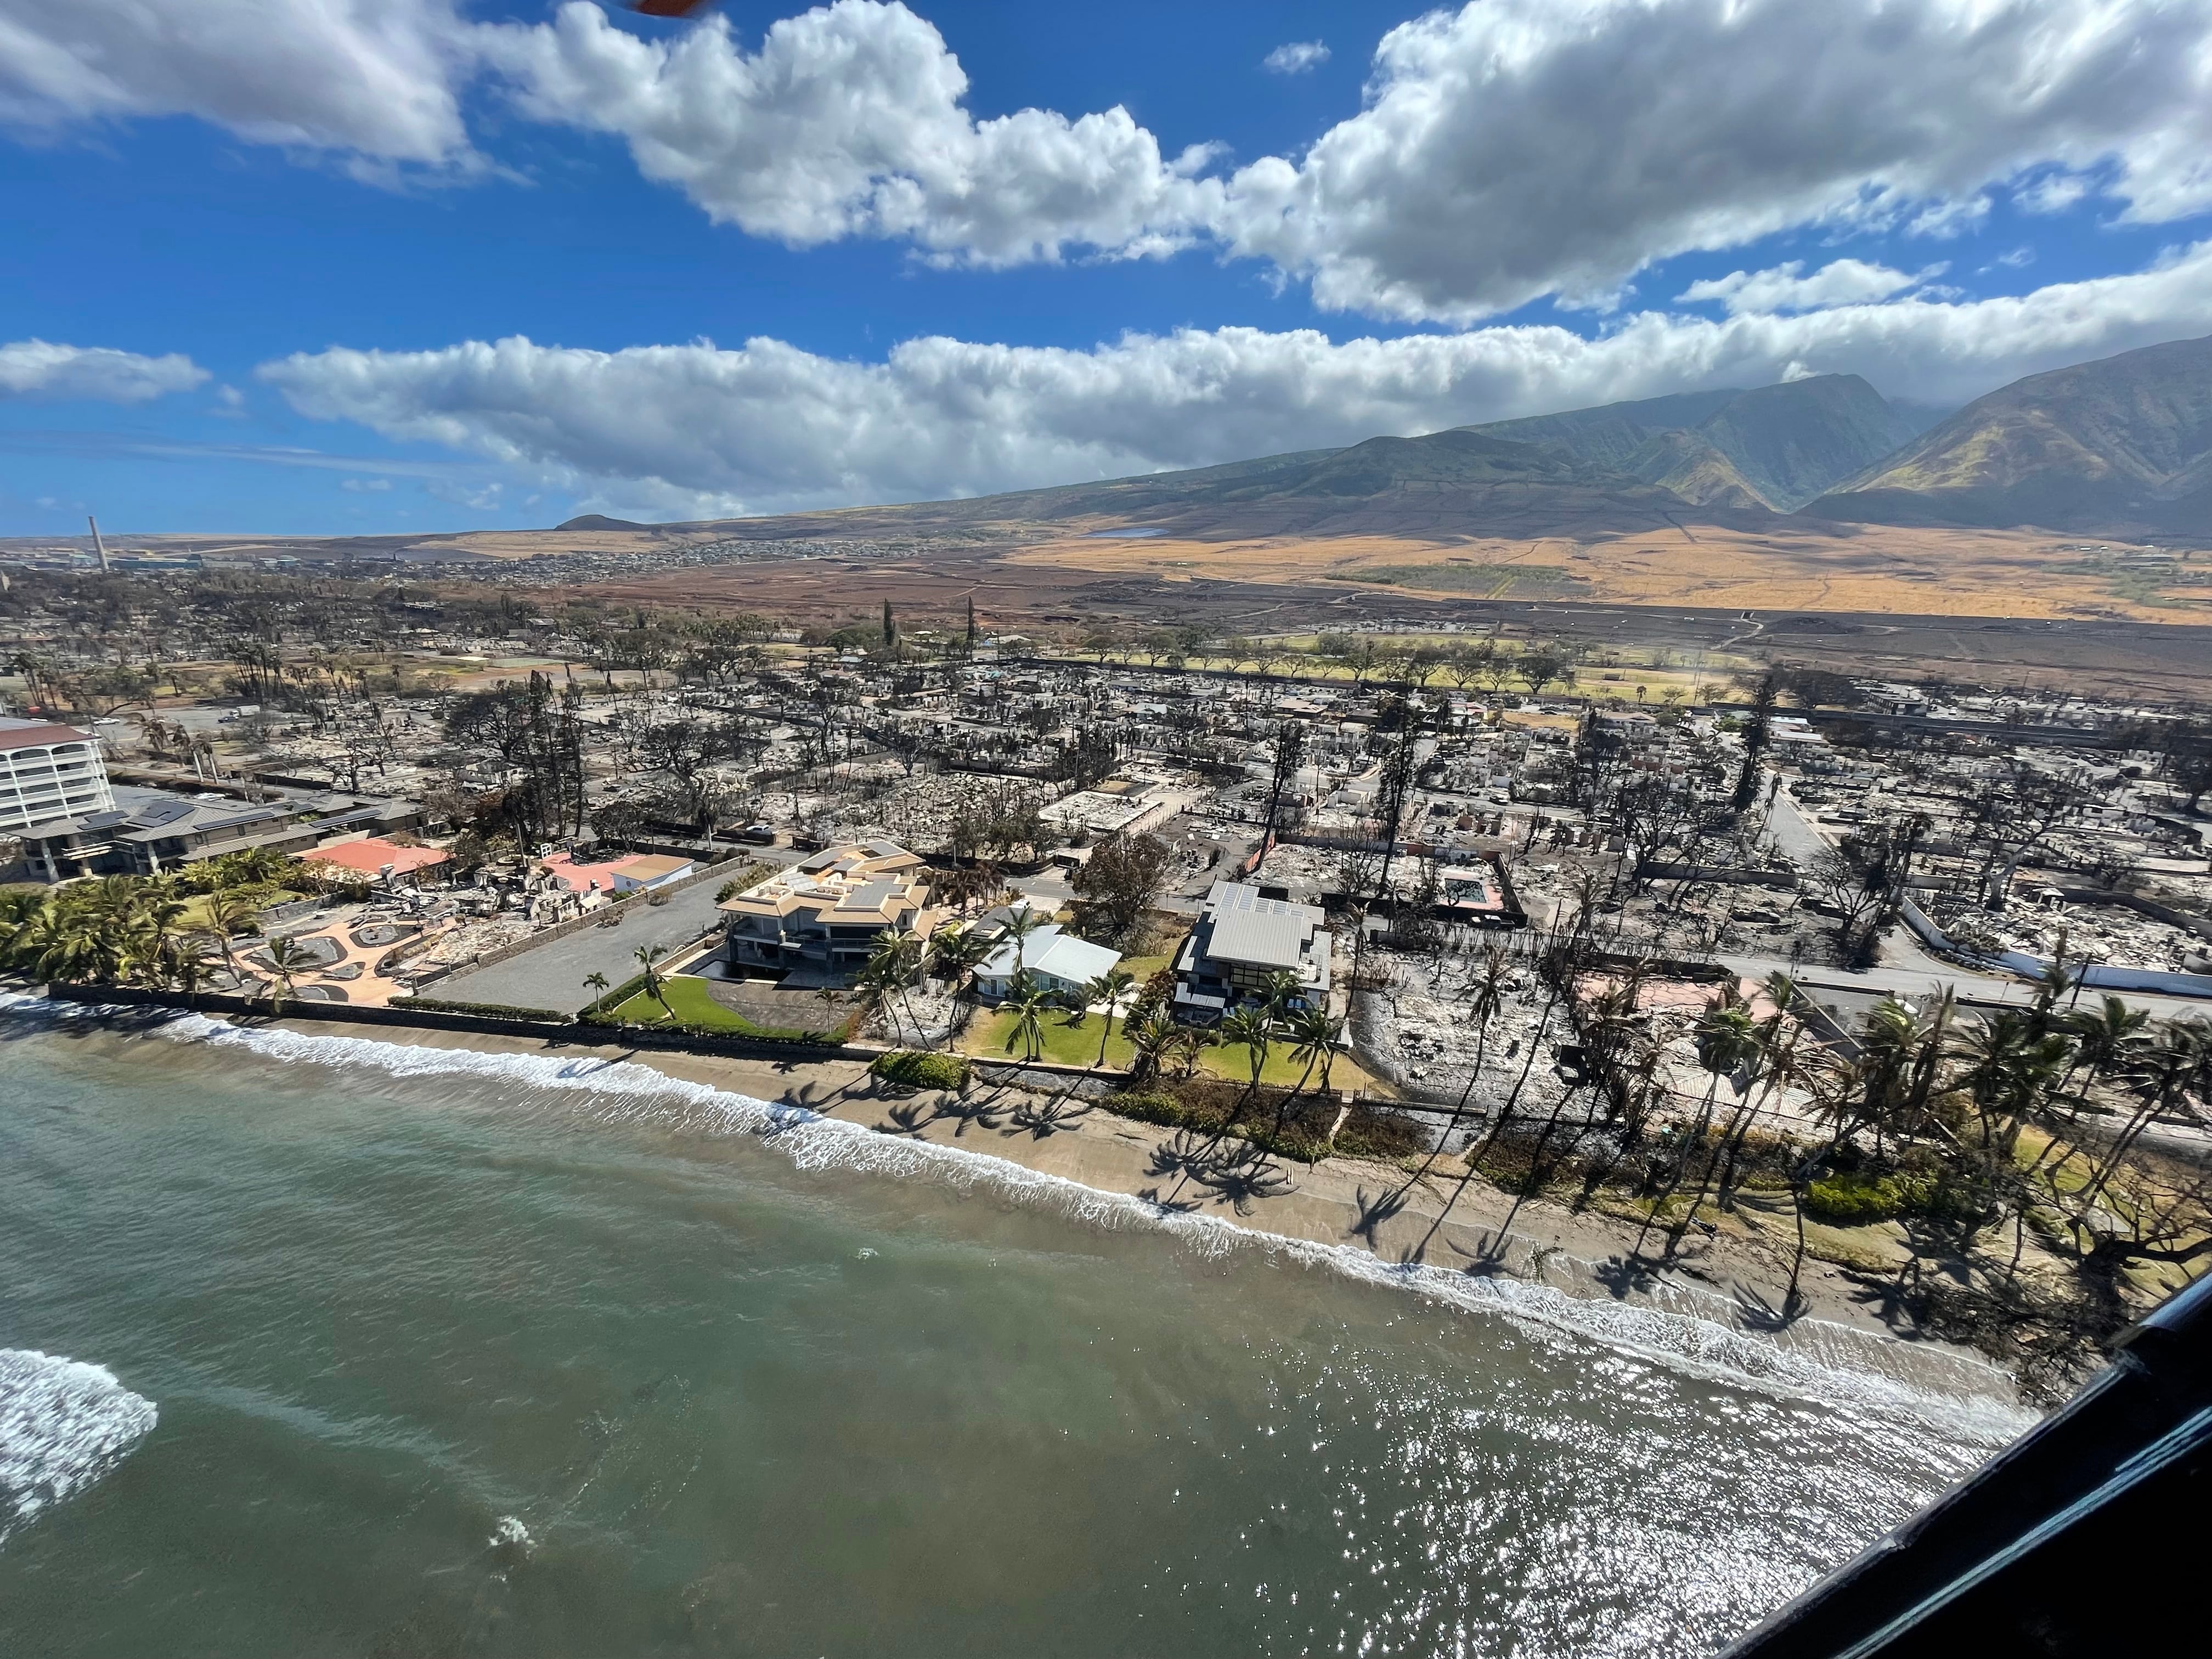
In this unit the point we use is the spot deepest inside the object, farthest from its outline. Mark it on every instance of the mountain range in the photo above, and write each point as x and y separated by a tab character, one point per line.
1778	446
2120	447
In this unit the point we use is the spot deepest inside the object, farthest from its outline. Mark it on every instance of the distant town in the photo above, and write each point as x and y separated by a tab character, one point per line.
1525	909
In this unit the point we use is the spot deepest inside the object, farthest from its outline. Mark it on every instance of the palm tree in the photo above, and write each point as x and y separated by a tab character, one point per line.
1485	993
1312	1037
2007	1060
1150	1035
186	960
2177	1065
152	926
960	950
1727	1041
597	985
227	911
57	943
1029	1005
889	969
1778	1044
1108	990
19	907
1185	1044
1251	1028
285	959
648	962
1023	920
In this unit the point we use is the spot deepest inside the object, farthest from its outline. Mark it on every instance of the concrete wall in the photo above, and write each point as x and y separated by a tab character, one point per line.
626	1036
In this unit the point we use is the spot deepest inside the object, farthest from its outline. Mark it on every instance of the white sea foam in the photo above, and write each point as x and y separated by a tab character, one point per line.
1842	1368
62	1425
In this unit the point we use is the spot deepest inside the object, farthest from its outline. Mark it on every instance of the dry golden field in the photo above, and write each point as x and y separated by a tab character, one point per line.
1855	569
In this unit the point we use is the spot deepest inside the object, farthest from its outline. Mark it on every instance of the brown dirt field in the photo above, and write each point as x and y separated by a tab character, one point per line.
1853	568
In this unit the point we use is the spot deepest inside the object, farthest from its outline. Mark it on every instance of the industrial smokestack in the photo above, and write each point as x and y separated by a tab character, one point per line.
98	545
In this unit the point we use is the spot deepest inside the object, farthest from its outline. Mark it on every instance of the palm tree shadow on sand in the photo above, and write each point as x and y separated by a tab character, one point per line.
1237	1171
911	1117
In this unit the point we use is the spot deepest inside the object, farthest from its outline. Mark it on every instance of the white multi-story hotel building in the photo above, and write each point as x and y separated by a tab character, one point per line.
49	771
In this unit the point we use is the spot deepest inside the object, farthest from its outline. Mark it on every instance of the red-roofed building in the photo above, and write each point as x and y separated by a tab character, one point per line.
373	855
621	875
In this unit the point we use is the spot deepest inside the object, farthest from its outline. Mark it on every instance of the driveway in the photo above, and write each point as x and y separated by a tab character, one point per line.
551	975
1795	833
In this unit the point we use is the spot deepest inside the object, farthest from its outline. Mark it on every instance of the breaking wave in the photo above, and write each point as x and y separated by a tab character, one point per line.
1678	1326
62	1425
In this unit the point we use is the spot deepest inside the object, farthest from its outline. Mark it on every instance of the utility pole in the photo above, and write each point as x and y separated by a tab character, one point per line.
1290	752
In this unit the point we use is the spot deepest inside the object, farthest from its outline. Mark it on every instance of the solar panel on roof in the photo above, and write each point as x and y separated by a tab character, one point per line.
868	896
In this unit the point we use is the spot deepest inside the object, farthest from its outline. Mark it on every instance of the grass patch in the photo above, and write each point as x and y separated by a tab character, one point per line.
263	895
1064	1043
696	1009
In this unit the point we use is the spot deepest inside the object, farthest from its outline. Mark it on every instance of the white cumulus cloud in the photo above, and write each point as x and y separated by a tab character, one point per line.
1295	57
1503	152
380	80
41	369
1508	150
847	121
697	430
1520	148
1786	287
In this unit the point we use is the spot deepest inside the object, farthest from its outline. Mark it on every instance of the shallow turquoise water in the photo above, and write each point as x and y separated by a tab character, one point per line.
486	1358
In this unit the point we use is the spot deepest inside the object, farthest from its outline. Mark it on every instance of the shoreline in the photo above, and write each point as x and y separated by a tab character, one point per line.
1580	1255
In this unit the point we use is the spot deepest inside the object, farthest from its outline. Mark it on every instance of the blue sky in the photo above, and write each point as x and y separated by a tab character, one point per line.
275	253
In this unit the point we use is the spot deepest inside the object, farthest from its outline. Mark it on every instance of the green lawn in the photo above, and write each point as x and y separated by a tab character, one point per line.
1078	1045
694	1005
1068	1045
196	912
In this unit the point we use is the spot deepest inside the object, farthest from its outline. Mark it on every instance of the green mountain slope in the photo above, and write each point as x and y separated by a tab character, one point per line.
1693	468
1776	447
1456	482
1611	433
2121	446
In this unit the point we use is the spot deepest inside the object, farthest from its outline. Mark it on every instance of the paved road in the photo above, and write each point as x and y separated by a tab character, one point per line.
1849	991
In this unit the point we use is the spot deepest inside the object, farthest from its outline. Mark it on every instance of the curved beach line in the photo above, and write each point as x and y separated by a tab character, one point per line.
1834	1364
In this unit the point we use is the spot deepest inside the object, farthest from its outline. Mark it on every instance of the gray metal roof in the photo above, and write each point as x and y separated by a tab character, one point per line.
1263	931
1257	937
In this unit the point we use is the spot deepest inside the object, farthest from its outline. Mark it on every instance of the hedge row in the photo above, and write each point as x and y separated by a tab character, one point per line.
492	1010
719	1033
1850	1200
1156	1106
911	1068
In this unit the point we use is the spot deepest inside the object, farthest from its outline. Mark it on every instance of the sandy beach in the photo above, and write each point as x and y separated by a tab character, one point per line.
1737	1283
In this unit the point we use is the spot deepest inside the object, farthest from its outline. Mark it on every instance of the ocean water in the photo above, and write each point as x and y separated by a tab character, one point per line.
338	1347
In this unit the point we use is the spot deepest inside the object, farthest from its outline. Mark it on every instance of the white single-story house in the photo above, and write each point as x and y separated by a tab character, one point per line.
649	870
1058	962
